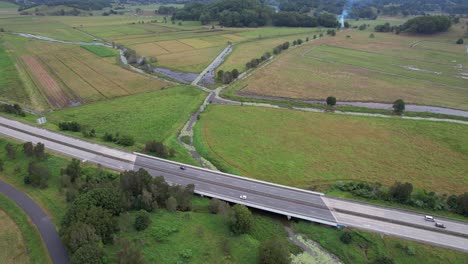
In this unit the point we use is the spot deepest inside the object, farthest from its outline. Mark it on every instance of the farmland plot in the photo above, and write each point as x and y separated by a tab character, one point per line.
56	96
354	67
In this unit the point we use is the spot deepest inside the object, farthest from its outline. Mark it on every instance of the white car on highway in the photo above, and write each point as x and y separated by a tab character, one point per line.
243	197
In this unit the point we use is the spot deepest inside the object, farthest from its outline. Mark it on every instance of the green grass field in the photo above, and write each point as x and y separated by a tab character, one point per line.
148	116
206	236
427	70
100	51
20	240
305	149
366	247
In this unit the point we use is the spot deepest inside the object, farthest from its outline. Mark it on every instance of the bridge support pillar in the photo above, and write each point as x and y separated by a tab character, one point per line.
289	217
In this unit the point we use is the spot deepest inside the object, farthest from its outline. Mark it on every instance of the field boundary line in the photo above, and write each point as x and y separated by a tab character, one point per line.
72	70
68	91
99	73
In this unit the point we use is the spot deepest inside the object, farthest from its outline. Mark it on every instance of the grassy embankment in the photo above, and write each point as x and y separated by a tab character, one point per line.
20	240
204	236
366	247
156	115
313	149
101	51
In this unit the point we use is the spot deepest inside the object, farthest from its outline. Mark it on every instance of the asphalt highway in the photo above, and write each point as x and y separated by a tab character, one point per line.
279	199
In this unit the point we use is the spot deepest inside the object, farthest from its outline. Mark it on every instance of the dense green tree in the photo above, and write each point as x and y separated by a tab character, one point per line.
89	254
171	204
460	41
331	101
126	140
401	192
39	151
346	237
78	235
38	175
327	20
274	251
142	221
28	149
240	220
129	254
220	74
235	73
10	151
427	24
73	170
462	207
399	107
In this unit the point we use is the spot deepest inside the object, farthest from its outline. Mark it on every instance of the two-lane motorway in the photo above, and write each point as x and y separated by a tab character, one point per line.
274	198
279	199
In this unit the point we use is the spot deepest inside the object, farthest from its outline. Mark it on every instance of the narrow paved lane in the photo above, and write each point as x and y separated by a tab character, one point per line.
50	236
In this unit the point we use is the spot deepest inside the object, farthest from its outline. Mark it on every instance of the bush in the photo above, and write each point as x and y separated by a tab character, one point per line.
331	101
38	175
142	221
70	126
159	149
126	140
346	237
460	41
241	219
274	251
90	253
12	109
399	107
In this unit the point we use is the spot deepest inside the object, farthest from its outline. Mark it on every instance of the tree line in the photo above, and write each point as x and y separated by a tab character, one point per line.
250	13
420	25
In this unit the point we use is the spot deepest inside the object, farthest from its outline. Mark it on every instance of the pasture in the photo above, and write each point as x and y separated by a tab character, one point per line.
211	241
71	75
428	70
304	149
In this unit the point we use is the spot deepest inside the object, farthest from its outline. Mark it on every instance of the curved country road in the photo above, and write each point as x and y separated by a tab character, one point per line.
51	238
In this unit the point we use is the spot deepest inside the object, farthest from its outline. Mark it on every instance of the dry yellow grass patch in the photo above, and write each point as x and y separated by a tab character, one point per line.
12	245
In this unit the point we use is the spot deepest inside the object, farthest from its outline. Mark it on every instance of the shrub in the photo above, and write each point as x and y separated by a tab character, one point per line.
460	41
90	253
346	237
331	101
126	140
274	251
399	107
12	109
70	126
142	221
241	219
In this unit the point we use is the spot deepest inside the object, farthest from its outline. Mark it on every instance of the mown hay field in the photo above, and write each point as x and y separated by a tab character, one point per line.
70	75
420	70
306	149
